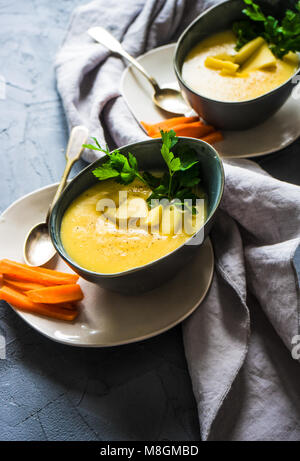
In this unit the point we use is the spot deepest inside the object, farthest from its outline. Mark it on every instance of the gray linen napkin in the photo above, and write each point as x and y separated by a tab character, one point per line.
238	343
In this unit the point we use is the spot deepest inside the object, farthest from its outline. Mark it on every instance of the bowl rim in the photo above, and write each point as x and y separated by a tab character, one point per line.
184	83
64	255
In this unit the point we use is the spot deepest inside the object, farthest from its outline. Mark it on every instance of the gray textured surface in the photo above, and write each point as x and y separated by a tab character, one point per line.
47	390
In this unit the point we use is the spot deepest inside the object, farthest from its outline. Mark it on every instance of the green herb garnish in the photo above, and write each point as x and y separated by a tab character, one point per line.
177	184
282	36
118	166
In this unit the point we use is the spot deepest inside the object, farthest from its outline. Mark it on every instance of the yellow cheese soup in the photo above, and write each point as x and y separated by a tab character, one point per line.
106	231
214	69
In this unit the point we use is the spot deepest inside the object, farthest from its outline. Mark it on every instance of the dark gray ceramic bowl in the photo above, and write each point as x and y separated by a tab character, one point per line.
153	274
226	115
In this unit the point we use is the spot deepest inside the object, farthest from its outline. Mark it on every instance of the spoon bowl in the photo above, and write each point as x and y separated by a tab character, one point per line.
167	99
170	101
38	248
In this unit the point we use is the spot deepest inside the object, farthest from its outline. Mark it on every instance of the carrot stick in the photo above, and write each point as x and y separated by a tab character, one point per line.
21	286
22	302
213	137
167	124
69	306
58	294
26	286
64	275
19	271
192	130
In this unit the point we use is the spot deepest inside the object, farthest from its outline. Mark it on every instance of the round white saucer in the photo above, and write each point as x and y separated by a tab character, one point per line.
107	318
276	133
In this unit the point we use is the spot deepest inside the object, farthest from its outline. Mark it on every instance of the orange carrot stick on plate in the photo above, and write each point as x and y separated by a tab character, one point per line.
18	271
72	278
213	137
21	286
22	302
55	295
168	124
191	130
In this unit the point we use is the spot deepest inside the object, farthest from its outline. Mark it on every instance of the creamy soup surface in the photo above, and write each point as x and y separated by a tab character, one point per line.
100	244
208	82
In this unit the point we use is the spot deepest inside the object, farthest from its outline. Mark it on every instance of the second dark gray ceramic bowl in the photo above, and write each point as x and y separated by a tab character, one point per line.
153	274
226	115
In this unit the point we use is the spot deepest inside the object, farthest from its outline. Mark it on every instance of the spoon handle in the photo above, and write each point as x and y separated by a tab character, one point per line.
105	38
78	136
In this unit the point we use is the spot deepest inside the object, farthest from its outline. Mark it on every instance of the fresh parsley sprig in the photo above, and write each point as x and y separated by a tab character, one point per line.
183	175
282	36
118	166
177	184
175	164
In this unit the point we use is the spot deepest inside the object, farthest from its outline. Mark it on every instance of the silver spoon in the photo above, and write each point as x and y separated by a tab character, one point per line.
166	98
38	248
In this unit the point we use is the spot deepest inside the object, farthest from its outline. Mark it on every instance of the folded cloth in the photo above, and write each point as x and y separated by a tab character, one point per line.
246	385
238	343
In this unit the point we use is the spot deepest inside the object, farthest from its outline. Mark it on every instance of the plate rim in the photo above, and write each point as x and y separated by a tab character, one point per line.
224	157
23	315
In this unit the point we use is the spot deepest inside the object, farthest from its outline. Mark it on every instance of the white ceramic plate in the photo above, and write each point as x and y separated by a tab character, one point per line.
274	134
107	318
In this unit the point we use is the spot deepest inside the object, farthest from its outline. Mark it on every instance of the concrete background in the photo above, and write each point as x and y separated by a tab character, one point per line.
49	391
